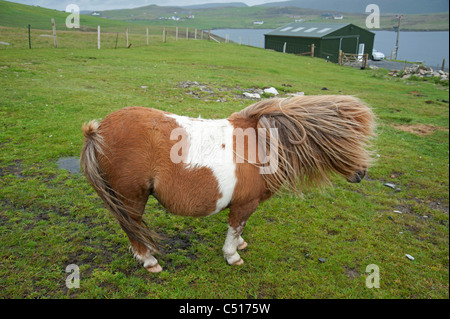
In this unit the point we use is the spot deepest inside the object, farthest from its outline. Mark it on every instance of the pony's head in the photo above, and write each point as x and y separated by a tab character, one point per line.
317	136
358	176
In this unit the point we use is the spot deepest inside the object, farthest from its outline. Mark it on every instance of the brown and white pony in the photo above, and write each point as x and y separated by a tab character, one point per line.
197	167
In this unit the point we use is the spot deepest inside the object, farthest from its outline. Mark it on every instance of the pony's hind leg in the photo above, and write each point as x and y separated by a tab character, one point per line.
142	240
143	252
144	255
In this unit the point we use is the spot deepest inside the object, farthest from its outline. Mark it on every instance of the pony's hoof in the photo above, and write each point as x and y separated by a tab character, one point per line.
238	263
242	246
154	269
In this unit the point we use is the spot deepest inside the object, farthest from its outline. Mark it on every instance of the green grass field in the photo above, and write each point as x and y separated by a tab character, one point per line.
50	218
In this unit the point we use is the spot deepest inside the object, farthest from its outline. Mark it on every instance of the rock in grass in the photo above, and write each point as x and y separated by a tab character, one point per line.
271	90
409	257
391	185
252	95
322	260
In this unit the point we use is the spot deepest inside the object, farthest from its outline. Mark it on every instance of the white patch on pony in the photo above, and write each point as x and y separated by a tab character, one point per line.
232	242
211	145
147	259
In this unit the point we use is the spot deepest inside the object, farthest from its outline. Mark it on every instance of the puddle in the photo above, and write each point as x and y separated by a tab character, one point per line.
71	164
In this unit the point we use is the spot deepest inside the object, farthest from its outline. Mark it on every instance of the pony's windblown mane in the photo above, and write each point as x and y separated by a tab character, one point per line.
317	135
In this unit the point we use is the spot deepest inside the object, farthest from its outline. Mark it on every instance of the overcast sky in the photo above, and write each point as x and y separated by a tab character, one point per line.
121	4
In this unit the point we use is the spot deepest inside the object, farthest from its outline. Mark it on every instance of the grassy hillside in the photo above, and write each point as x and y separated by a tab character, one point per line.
50	218
19	15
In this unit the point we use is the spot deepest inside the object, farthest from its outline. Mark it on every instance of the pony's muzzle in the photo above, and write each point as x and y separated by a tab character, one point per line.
358	176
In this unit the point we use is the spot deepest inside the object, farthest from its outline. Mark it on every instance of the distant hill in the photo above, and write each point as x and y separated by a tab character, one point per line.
358	6
272	16
216	5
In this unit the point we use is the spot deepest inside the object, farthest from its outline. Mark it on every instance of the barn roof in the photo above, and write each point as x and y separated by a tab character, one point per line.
307	29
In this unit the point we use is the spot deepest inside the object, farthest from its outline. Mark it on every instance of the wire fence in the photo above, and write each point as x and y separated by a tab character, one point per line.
139	36
24	38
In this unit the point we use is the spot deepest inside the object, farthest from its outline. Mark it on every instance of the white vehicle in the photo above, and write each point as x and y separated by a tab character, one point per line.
377	55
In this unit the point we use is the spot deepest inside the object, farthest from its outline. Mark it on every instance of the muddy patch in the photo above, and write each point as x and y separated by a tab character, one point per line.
15	169
419	129
180	243
351	272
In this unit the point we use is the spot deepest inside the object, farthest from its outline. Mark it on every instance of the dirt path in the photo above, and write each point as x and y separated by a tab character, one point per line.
391	65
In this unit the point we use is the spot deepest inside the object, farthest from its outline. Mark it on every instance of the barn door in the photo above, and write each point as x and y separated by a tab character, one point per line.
360	51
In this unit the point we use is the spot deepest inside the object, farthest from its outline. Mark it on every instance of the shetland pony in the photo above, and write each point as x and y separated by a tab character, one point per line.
198	167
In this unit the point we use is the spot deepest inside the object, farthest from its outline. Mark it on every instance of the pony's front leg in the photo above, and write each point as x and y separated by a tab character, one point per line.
233	242
238	217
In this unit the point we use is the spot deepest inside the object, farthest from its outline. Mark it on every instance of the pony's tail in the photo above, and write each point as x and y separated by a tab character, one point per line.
136	231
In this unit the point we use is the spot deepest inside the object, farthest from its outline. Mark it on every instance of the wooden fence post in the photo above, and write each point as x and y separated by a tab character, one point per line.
443	62
187	33
340	57
146	32
312	50
54	33
164	35
98	38
366	60
176	34
195	34
126	35
29	37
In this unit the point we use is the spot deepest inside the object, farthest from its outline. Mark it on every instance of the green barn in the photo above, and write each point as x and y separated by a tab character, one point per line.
328	39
